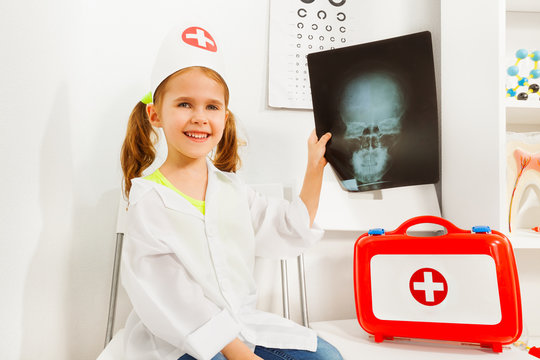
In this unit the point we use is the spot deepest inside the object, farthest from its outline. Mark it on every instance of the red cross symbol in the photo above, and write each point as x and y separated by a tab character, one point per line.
428	286
198	37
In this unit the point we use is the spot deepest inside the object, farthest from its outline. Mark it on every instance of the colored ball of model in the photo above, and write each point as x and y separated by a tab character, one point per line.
535	55
523	96
535	74
522	53
534	88
513	70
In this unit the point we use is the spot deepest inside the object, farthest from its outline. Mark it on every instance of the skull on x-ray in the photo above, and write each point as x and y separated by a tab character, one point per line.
371	107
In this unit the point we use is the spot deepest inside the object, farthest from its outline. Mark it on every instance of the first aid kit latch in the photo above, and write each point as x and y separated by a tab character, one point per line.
377	231
481	230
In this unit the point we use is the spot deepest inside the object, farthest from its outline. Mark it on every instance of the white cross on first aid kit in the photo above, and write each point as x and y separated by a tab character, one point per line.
461	286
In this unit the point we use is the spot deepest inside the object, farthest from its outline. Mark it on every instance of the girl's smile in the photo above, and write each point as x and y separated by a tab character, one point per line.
197	136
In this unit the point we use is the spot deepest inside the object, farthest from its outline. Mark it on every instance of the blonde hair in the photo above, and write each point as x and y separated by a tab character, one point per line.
139	152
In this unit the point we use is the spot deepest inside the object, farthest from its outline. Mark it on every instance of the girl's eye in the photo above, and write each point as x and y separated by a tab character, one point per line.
184	104
212	107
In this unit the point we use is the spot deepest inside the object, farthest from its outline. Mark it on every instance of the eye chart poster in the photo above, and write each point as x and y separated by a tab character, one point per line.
301	27
297	28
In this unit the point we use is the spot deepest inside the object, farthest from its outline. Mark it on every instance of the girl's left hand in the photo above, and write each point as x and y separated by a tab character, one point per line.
316	150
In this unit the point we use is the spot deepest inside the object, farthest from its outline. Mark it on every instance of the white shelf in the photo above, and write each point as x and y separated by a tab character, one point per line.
524	239
352	340
534	341
523	5
533	103
523	113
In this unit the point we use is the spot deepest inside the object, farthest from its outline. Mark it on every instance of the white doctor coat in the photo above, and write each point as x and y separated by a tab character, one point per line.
189	276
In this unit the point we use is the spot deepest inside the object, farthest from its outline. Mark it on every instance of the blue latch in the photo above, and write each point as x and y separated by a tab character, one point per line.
377	231
481	230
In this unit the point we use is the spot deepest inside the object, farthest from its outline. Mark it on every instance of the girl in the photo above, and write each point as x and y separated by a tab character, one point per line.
194	229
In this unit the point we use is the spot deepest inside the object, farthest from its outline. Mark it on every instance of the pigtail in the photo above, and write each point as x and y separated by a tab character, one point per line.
227	157
138	151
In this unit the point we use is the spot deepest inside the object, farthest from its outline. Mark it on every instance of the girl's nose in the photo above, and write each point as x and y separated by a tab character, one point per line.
199	117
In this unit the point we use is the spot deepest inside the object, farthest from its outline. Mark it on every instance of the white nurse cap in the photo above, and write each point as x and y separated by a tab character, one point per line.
192	45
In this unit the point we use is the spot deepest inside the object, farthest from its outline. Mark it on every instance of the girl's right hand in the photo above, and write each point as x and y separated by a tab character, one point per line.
311	189
316	151
237	350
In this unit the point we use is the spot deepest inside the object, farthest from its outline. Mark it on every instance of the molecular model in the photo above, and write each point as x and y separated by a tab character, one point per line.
523	81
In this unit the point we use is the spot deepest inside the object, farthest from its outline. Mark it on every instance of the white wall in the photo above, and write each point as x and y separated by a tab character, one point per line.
71	73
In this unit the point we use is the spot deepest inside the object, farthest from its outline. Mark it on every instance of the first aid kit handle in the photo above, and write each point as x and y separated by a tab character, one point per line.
428	219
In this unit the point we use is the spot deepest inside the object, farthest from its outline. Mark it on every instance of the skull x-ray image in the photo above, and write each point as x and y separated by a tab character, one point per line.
379	102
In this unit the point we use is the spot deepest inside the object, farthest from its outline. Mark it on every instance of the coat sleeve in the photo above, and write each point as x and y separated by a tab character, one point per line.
281	227
169	302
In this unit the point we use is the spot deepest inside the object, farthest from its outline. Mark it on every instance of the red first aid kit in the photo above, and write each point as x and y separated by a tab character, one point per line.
462	286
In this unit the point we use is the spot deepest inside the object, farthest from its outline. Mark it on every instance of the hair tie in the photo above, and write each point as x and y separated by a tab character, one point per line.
147	99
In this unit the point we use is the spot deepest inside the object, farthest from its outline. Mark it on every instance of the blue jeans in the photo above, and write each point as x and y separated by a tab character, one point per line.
325	351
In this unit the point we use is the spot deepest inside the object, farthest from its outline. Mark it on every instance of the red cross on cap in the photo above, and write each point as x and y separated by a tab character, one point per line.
198	37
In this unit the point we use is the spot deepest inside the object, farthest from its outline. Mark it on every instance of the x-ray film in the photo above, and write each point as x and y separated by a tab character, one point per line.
379	102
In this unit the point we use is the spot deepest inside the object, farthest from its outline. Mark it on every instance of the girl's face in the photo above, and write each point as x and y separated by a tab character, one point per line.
192	114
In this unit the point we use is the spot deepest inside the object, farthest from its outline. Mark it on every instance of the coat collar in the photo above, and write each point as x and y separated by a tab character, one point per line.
175	201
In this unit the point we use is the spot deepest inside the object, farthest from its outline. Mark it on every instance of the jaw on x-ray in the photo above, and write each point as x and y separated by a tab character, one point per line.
381	110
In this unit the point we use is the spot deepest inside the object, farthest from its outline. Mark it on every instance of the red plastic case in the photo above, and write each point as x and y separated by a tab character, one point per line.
462	286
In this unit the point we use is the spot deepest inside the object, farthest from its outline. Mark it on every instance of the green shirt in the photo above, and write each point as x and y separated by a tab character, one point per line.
158	177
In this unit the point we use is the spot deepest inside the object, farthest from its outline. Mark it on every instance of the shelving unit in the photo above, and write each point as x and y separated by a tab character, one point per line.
523	5
522	31
523	239
522	113
475	37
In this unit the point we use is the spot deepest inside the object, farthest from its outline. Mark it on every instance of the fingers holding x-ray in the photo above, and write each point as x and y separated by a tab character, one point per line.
317	148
